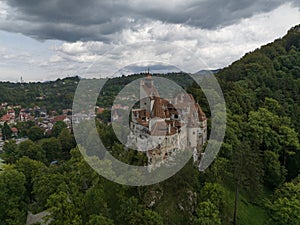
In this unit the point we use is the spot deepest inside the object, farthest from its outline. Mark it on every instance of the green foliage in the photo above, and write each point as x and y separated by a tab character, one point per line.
57	94
52	148
248	170
274	172
285	207
207	214
12	196
45	185
23	127
285	211
31	169
67	142
35	133
104	116
2	112
215	193
10	151
219	172
62	209
6	132
95	196
262	128
31	150
57	128
99	220
133	213
152	218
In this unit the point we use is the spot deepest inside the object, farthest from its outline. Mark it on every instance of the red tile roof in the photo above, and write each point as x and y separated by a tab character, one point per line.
14	130
6	118
59	118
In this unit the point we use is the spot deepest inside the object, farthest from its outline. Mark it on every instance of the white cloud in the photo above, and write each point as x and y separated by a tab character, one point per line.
217	48
3	10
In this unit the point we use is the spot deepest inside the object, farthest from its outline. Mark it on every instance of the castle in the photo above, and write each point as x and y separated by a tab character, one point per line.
163	127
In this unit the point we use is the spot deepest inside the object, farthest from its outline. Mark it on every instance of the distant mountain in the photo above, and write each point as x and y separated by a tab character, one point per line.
203	72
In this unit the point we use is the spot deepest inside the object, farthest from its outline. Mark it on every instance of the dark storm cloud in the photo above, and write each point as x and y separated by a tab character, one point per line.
87	12
73	20
211	14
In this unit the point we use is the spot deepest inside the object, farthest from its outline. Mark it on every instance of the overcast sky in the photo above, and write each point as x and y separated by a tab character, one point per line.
45	40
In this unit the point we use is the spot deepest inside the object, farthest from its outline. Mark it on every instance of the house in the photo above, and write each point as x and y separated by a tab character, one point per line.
163	127
11	112
64	119
24	115
8	118
14	131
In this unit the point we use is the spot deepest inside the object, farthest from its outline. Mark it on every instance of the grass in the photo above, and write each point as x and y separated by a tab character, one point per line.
248	213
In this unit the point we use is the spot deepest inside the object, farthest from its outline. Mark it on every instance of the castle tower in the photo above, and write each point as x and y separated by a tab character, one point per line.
147	93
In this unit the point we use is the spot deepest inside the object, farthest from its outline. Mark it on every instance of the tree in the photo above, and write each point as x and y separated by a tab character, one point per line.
131	212
272	105
105	116
35	133
274	173
31	150
67	142
152	218
2	112
10	151
262	129
289	142
31	169
62	209
12	196
99	220
57	128
219	171
285	208
285	211
248	173
94	196
45	185
52	148
6	132
214	193
24	127
207	214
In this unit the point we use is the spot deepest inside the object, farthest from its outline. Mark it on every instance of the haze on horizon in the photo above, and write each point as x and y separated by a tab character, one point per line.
55	39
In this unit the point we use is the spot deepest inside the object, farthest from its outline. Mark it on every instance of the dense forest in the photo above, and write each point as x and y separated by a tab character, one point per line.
59	94
254	180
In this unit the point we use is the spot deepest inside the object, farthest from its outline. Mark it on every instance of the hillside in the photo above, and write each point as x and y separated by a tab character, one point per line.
58	95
